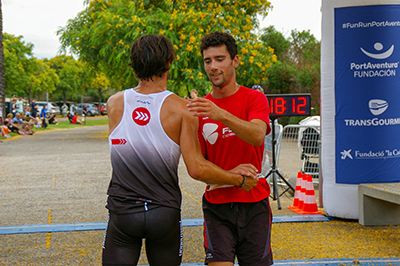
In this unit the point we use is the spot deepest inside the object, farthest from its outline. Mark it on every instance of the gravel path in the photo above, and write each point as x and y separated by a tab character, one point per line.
62	177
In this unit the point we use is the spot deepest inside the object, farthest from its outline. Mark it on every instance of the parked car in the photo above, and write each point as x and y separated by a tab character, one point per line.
103	107
51	107
91	109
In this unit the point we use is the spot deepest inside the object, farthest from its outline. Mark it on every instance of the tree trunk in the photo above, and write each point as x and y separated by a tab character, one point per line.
2	68
64	92
28	94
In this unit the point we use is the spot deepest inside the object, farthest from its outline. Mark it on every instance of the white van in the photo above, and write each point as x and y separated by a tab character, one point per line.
51	108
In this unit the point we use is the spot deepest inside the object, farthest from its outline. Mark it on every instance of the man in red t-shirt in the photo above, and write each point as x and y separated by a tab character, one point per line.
233	122
75	120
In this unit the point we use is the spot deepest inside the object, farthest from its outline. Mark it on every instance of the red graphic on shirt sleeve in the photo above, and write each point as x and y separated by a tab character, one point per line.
118	141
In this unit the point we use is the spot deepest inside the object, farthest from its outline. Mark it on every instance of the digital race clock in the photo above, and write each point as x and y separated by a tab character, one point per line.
289	104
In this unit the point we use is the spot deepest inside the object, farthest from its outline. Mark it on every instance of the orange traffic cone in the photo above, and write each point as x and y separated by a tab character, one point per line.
302	192
310	202
299	181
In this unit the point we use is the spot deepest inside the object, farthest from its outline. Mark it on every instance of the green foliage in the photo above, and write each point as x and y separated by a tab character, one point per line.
298	68
25	75
275	39
17	56
102	35
281	77
306	56
72	76
304	49
101	84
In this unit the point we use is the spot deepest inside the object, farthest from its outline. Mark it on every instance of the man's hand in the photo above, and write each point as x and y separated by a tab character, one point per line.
250	173
249	184
204	107
247	169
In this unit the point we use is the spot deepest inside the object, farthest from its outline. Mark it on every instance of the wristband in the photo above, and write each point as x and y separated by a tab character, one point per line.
244	181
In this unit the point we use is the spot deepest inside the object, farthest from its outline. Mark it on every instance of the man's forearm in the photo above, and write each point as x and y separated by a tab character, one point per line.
251	132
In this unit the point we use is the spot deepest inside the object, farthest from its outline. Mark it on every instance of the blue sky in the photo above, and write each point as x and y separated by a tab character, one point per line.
38	20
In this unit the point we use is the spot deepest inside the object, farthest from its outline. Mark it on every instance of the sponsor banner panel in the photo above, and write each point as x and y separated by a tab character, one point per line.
367	94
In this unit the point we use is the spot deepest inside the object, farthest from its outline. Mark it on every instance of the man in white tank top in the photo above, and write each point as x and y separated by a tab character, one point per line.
149	127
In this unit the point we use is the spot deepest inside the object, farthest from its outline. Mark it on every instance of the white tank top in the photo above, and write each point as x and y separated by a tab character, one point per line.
143	157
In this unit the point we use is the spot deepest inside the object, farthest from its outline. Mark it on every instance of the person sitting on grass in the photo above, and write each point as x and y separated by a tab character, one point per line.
75	120
15	128
4	130
10	126
9	117
30	118
52	119
23	127
70	116
43	115
38	121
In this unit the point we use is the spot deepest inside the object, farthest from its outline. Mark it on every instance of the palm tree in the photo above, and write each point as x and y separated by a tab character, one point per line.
2	68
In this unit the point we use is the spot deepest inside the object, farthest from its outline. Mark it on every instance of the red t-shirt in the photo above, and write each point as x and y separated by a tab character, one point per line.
222	147
74	119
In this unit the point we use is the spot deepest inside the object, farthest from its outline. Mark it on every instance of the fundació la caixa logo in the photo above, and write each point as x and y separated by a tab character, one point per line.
380	55
346	154
378	106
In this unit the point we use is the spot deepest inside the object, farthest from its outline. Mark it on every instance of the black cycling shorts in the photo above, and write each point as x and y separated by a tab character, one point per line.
238	229
161	229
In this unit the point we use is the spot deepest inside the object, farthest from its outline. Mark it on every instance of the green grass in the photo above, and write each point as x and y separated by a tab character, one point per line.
89	122
67	124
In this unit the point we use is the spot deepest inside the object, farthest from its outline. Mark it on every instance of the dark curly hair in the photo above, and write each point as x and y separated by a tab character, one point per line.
150	55
217	39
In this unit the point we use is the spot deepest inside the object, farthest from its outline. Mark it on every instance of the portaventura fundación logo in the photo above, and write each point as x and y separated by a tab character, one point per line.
378	47
376	69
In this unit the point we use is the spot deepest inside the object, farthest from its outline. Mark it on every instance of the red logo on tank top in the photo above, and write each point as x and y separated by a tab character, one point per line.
141	116
118	141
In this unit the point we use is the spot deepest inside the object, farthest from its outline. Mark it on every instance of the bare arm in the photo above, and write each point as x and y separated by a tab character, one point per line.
115	110
203	170
252	132
17	125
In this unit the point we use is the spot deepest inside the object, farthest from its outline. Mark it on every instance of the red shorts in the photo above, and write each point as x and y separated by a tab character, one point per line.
238	229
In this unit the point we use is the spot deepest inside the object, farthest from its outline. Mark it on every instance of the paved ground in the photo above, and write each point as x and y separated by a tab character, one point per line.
62	177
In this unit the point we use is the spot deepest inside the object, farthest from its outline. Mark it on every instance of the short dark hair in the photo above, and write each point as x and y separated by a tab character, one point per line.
217	39
150	55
